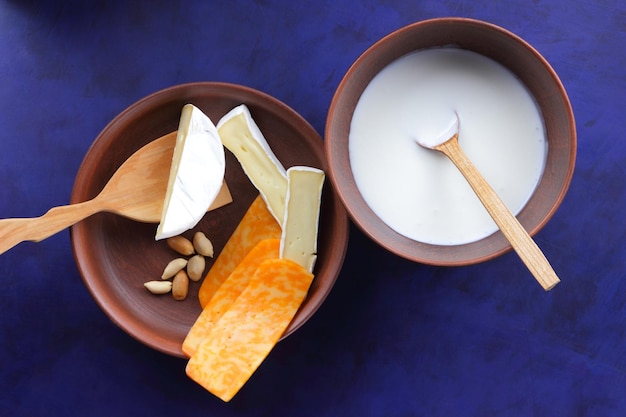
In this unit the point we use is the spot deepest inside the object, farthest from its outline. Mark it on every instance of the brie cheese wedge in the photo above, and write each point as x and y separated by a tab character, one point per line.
298	241
241	135
196	174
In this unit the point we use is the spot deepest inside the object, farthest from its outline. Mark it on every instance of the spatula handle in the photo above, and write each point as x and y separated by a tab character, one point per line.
35	229
519	238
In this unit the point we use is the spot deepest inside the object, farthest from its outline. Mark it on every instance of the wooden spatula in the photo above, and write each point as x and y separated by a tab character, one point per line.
136	190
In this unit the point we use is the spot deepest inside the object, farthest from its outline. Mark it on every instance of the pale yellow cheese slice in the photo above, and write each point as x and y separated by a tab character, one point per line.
241	135
302	211
196	173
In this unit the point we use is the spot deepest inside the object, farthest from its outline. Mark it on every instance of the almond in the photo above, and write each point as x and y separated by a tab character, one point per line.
173	267
180	286
195	267
158	287
181	245
202	244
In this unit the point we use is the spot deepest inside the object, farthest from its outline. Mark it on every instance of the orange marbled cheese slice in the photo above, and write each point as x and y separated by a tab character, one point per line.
228	292
247	332
257	224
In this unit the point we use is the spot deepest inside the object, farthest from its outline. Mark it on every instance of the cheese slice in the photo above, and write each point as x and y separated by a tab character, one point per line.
228	292
248	331
300	226
257	224
241	135
196	174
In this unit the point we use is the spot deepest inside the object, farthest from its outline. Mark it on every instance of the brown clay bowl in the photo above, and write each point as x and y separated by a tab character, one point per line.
503	47
115	256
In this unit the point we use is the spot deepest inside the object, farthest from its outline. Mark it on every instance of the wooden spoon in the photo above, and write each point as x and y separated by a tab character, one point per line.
136	190
447	143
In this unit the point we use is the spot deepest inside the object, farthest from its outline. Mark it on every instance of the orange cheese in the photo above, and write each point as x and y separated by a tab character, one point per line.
257	224
246	333
228	292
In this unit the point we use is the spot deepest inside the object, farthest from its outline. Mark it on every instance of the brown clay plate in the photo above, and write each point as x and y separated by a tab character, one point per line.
115	255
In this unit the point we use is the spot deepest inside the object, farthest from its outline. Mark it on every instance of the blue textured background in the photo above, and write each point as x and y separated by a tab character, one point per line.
394	338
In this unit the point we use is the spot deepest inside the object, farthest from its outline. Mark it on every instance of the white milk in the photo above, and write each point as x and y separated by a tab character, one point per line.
418	192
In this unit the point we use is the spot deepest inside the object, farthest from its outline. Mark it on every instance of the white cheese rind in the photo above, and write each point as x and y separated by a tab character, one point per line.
300	230
196	174
241	135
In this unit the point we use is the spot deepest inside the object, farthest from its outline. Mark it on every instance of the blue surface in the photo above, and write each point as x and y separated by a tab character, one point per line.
394	338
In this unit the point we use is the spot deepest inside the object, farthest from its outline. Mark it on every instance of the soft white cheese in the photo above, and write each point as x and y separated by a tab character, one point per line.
302	211
196	174
241	135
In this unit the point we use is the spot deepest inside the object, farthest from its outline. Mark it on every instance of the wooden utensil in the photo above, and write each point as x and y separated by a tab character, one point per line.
448	144
136	190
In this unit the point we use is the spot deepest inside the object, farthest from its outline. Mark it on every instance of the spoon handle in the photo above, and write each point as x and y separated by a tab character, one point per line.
35	229
519	238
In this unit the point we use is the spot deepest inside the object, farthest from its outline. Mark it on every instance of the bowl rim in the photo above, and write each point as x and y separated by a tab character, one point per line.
87	267
374	227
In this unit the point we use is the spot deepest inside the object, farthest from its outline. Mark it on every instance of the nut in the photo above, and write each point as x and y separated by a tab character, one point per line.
202	244
181	245
158	287
195	267
180	285
173	267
